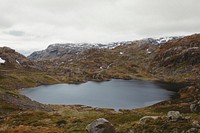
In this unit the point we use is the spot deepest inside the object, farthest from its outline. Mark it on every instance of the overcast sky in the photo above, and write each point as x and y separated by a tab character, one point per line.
34	24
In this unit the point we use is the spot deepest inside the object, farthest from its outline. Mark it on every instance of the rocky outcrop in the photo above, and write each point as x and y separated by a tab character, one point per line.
100	125
14	59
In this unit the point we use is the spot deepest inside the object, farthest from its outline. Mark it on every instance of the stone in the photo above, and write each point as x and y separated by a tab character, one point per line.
132	131
100	125
61	123
175	130
188	118
195	107
195	124
174	115
144	119
192	130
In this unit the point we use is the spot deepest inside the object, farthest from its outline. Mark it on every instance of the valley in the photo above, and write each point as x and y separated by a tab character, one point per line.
174	61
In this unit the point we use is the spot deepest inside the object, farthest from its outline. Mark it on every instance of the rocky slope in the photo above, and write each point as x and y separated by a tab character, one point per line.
179	57
179	52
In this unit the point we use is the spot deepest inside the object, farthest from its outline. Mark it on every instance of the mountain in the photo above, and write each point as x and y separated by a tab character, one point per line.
71	49
60	50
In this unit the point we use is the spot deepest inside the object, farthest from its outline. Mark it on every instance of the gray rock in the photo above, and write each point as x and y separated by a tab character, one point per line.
132	131
175	130
192	130
174	115
188	118
146	118
100	125
195	107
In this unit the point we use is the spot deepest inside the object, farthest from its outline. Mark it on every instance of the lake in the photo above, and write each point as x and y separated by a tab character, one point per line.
116	94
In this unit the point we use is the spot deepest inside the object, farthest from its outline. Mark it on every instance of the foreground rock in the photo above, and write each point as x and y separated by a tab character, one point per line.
100	125
174	115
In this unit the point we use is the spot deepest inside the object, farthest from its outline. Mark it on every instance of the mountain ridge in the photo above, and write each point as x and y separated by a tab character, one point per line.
68	49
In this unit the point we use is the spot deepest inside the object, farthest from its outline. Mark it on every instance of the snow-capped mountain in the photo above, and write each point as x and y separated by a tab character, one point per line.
60	50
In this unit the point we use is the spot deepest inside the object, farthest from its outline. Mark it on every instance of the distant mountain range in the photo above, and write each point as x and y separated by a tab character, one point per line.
66	49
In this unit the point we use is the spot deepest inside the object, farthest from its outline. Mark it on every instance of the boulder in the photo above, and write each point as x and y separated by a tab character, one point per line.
100	125
195	124
174	115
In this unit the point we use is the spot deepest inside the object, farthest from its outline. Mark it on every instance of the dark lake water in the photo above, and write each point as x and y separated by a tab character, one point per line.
116	94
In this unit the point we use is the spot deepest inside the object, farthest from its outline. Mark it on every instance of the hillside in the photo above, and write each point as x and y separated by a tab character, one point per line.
180	56
175	61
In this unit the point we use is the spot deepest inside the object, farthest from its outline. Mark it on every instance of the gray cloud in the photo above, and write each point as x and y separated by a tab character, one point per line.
15	33
38	23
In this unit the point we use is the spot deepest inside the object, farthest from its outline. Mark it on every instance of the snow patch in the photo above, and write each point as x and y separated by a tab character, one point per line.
88	45
165	39
2	60
121	53
149	52
108	67
17	62
195	47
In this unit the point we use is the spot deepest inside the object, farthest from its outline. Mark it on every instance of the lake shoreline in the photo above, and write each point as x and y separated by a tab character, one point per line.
107	82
